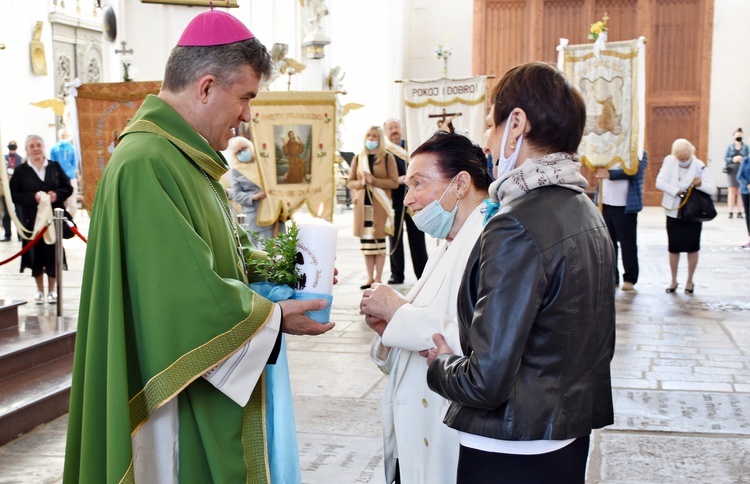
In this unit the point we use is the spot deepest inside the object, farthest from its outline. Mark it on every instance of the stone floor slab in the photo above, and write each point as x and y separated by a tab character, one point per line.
659	459
690	412
327	459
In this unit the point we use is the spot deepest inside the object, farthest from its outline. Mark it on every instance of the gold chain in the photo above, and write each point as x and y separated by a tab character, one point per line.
232	225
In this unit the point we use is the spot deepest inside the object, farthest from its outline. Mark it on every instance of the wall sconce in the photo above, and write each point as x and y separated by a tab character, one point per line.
36	49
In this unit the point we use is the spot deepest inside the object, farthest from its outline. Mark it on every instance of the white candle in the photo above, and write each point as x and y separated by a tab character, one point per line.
316	244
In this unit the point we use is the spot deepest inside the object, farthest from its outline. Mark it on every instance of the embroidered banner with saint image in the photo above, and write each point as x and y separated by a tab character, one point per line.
295	142
430	104
613	85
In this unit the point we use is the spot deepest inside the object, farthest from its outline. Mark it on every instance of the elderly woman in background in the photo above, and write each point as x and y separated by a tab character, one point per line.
245	191
536	310
39	183
447	181
373	175
680	170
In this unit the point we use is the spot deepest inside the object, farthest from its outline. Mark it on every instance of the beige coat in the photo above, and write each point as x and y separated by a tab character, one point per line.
385	174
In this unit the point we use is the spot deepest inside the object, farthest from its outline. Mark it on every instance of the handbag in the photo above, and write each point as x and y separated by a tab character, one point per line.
727	168
697	206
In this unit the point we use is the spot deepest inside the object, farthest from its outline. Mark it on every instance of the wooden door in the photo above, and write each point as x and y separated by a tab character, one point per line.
678	56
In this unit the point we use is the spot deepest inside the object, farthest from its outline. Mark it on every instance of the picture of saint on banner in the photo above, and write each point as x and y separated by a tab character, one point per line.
604	105
293	152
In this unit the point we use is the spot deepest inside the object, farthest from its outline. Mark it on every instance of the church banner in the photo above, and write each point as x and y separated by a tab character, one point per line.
612	82
294	134
430	104
104	109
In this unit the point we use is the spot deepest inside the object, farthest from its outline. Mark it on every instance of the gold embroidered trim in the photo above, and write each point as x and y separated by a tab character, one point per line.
129	477
193	364
204	161
254	431
455	100
610	53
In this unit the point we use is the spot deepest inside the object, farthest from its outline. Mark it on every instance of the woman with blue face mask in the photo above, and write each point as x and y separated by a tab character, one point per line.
373	175
245	187
447	181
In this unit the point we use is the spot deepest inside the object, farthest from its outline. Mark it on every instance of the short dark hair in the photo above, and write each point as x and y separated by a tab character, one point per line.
456	153
189	63
554	108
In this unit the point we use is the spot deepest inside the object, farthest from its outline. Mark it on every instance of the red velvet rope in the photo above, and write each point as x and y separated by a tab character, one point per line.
74	229
27	247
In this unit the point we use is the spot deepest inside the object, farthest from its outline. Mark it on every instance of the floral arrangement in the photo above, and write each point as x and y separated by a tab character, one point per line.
598	28
444	53
280	267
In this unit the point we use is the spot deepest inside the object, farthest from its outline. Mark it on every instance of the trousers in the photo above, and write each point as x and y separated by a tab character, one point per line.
563	466
417	246
623	231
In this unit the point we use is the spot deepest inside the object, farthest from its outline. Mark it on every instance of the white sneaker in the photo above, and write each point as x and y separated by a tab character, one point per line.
627	286
39	298
52	297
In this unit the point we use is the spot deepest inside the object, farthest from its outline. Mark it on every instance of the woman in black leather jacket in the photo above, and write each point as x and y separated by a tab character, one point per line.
536	310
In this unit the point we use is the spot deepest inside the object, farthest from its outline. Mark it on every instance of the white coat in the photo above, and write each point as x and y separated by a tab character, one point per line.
413	429
672	181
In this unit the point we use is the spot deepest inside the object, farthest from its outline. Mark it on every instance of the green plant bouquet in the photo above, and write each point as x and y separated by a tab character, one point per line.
294	266
280	267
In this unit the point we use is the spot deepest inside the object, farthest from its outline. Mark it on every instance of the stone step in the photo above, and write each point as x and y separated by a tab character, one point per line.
34	397
36	363
9	312
33	342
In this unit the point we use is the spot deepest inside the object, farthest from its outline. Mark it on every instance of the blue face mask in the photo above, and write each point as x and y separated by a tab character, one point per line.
371	145
434	220
245	155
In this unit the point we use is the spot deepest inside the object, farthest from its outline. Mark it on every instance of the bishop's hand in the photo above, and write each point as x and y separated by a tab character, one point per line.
294	321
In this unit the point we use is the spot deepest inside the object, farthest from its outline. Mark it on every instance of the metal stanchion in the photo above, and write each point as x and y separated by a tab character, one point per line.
59	219
241	219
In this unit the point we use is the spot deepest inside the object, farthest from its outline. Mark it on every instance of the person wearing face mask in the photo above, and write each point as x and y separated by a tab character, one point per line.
447	180
680	170
623	199
245	189
417	248
372	176
733	156
12	160
536	308
743	177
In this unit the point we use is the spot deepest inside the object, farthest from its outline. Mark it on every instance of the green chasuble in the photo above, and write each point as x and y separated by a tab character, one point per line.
164	299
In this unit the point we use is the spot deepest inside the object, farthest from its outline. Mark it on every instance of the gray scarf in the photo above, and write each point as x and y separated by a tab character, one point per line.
561	169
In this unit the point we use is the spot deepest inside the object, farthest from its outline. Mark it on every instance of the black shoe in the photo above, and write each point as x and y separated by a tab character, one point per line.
731	215
395	280
365	286
739	215
6	239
